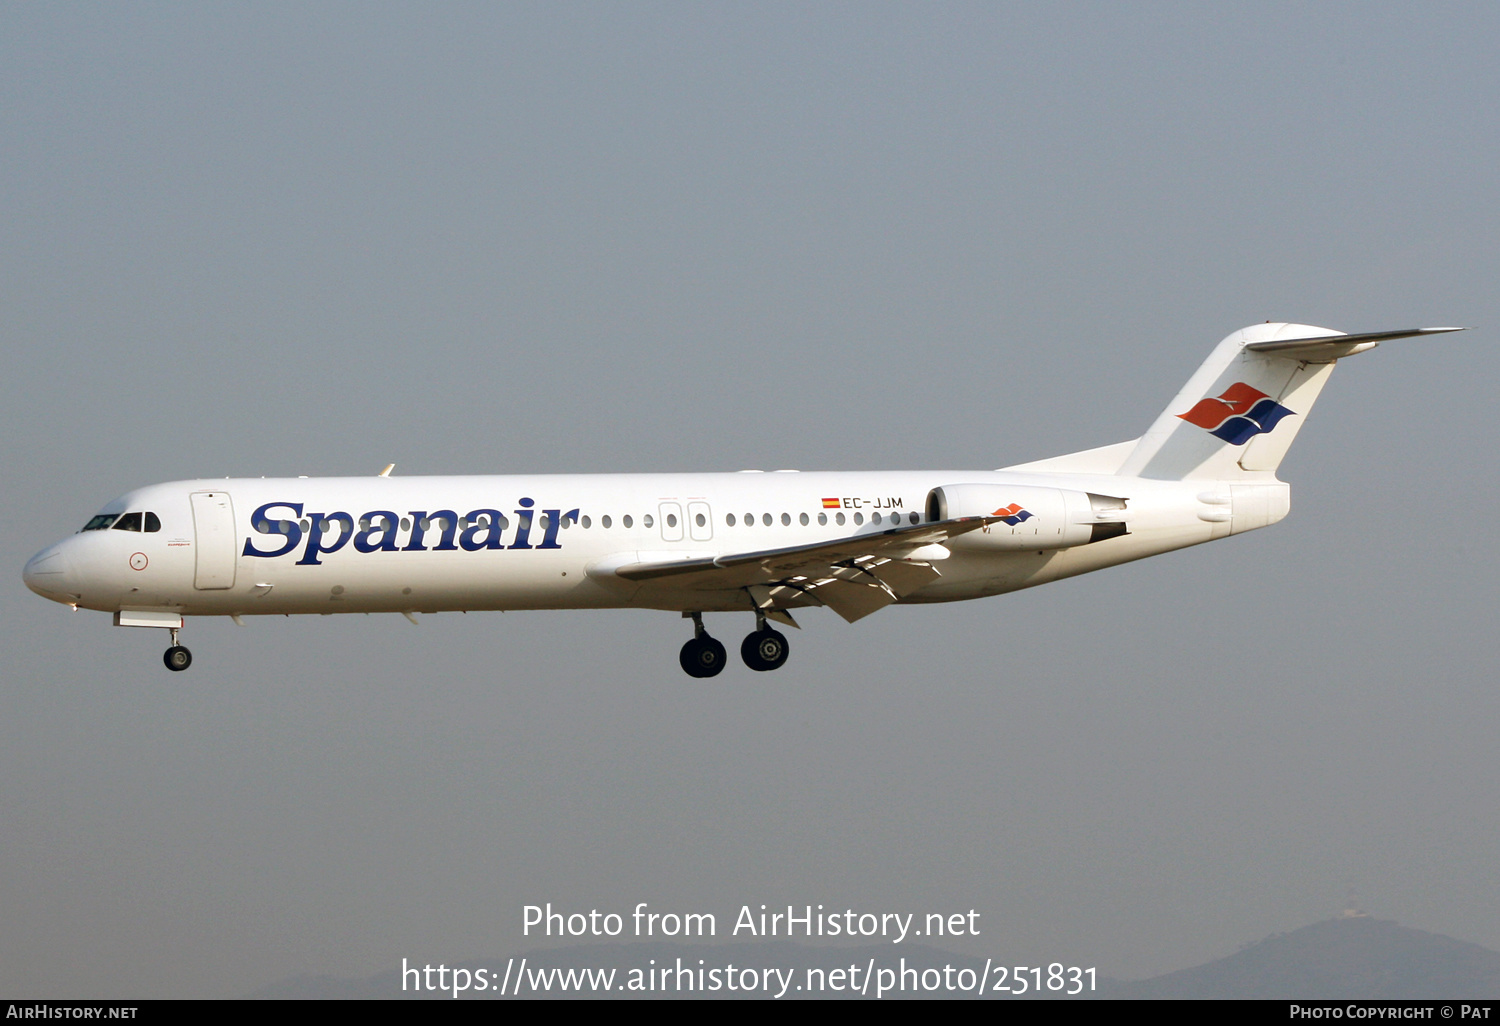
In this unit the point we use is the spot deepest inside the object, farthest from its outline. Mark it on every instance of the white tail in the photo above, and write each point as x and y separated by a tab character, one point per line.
1240	412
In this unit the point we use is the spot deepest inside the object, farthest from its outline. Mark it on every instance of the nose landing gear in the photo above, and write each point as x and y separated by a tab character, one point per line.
177	657
702	656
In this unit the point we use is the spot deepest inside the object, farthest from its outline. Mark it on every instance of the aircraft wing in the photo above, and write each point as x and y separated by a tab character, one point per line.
852	576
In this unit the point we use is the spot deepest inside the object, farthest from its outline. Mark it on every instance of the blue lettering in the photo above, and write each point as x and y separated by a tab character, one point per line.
386	528
491	527
263	525
421	521
379	530
414	543
315	545
554	522
449	520
523	525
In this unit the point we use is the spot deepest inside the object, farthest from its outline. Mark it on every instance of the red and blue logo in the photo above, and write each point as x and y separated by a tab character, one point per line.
1013	514
1238	414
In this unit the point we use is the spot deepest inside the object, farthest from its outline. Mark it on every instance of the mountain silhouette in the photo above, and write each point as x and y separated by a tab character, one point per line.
1350	958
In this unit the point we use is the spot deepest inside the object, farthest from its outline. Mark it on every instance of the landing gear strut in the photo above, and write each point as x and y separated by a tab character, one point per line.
177	658
702	656
764	648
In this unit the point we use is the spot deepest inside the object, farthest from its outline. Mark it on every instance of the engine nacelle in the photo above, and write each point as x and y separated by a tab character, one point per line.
1032	518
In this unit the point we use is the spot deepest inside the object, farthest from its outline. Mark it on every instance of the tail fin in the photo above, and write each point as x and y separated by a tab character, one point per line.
1240	412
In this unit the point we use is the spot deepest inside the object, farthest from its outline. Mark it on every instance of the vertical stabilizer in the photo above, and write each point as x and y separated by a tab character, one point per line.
1240	412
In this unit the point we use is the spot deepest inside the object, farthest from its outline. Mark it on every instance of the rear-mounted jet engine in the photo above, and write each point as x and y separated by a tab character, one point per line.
1037	519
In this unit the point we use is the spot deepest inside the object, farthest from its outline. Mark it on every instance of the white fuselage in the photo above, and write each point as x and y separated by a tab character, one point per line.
697	543
341	545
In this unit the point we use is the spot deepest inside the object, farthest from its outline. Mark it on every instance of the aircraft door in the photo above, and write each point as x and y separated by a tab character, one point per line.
671	521
214	544
700	521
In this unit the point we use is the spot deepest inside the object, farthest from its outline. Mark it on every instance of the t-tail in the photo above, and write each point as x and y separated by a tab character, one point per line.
1239	413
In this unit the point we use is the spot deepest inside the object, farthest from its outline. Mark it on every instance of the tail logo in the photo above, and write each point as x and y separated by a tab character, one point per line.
1238	414
1013	514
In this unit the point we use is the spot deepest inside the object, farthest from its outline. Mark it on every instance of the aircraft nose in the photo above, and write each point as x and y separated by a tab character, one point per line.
50	574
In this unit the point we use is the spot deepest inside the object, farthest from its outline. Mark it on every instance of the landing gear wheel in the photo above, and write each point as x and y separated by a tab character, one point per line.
764	649
703	657
177	658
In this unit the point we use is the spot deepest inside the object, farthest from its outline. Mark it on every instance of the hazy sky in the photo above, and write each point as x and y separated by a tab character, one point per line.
314	239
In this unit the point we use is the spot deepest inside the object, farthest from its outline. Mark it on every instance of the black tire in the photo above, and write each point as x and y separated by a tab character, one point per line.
177	658
703	657
764	650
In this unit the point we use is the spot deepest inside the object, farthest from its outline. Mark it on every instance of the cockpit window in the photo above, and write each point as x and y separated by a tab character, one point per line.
101	522
128	522
153	523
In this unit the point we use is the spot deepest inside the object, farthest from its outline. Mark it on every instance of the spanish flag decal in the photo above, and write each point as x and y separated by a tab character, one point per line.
831	504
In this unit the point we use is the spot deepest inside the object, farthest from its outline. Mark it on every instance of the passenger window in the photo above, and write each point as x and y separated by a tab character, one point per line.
606	522
822	519
729	520
646	520
128	522
913	517
765	518
587	523
701	520
153	524
859	518
874	518
838	518
803	519
627	521
672	520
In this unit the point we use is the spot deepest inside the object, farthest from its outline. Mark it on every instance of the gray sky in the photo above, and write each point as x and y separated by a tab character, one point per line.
252	239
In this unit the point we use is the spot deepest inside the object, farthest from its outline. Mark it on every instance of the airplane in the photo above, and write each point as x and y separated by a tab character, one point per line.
752	542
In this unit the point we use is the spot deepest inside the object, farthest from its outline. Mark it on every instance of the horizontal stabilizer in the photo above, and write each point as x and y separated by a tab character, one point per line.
1335	347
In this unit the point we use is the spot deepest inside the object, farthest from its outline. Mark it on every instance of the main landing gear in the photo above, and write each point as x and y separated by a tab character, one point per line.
177	658
704	656
763	648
